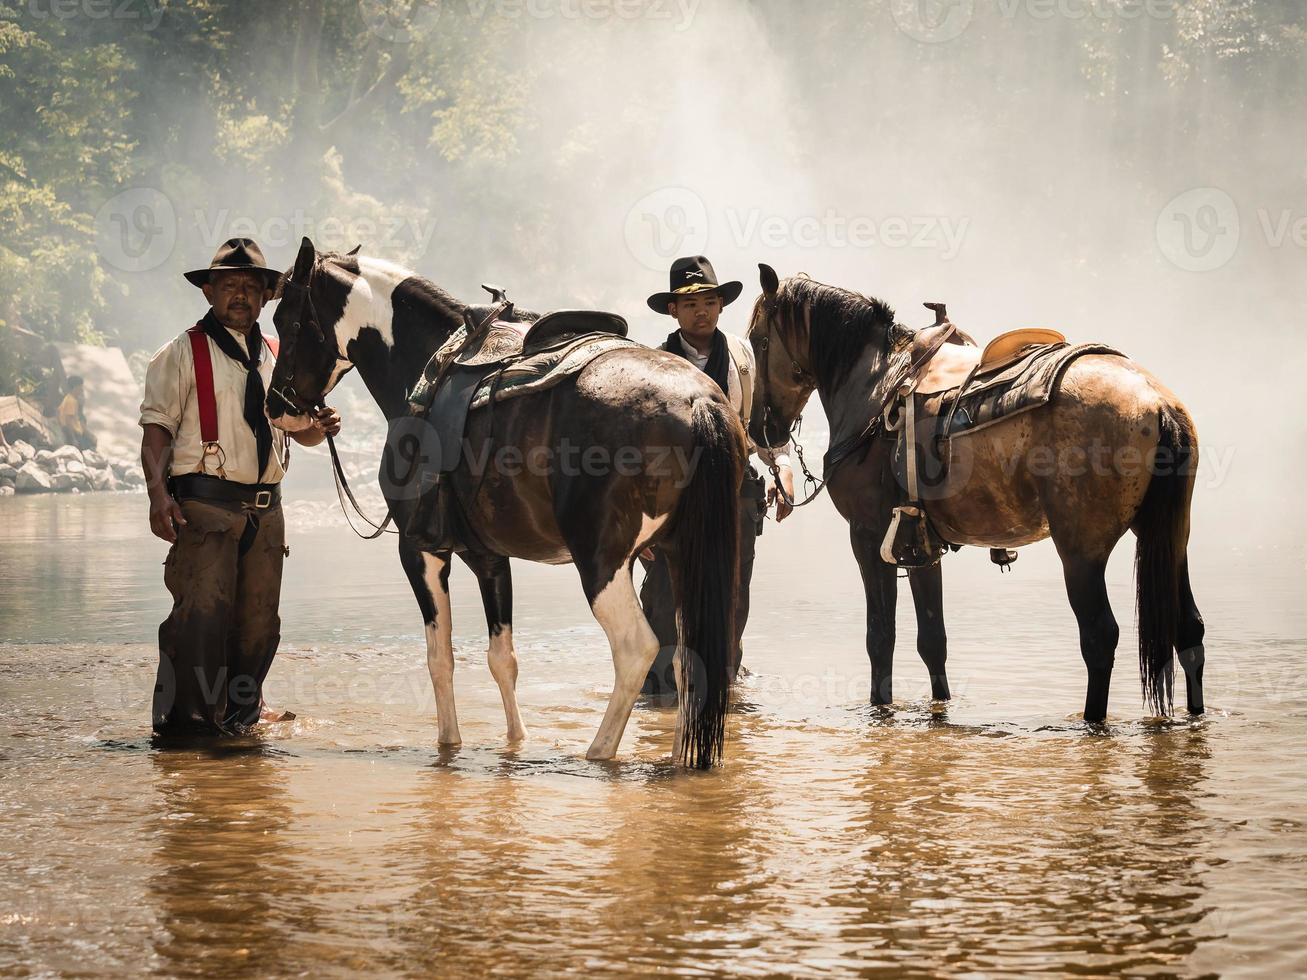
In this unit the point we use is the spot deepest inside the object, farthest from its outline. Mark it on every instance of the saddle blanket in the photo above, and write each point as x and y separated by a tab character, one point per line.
1027	383
463	389
540	372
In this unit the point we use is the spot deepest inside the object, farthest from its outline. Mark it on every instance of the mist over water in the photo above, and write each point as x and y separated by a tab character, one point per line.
1126	171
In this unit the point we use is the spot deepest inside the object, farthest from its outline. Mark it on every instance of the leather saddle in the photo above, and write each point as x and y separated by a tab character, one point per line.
503	342
493	344
950	366
954	364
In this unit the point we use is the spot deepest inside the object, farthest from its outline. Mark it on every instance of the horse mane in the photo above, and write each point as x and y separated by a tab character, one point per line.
844	324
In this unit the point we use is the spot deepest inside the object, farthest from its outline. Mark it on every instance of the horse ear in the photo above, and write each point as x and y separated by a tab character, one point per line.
304	261
768	278
354	250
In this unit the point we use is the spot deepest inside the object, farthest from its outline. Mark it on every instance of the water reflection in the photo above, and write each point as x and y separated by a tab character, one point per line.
223	883
1087	846
997	836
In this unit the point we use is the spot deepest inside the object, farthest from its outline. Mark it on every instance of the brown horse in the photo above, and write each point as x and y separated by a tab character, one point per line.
637	449
1024	478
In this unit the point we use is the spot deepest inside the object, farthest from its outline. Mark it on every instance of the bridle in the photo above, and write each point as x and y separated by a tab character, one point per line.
287	395
806	379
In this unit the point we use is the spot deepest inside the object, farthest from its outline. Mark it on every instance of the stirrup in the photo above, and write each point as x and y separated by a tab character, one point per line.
1002	557
908	542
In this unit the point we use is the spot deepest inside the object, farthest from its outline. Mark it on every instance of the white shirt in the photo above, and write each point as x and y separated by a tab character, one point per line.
170	401
735	395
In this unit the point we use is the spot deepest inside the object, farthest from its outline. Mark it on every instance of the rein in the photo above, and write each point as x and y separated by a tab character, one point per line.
342	484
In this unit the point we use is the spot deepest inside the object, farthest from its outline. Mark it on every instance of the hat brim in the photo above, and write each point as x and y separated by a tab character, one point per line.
728	291
198	277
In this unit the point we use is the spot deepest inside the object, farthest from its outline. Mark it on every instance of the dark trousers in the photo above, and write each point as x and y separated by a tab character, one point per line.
659	604
217	644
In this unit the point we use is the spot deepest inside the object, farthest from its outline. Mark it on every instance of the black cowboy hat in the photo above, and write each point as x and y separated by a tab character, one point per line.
691	275
236	254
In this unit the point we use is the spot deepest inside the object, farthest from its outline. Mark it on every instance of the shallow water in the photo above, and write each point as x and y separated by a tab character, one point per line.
997	836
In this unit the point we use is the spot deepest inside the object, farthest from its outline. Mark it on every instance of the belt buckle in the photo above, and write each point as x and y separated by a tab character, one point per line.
263	499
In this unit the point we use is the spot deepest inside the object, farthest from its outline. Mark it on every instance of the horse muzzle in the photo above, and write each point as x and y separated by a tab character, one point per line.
768	433
285	412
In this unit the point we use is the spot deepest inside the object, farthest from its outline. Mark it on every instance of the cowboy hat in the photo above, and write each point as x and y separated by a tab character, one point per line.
693	275
238	255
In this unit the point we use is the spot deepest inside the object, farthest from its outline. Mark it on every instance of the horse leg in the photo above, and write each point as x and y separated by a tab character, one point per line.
1099	632
932	642
634	645
880	583
428	574
1189	642
496	581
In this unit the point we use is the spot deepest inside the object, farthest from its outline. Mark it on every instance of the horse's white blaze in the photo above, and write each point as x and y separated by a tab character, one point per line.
440	652
368	304
503	667
634	646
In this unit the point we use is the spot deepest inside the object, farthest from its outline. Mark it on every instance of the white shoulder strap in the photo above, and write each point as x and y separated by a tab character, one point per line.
740	354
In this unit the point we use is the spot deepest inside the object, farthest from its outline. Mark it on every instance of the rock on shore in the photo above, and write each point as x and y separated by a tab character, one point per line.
25	469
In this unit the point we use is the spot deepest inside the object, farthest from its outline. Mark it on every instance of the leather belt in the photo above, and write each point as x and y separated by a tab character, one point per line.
196	486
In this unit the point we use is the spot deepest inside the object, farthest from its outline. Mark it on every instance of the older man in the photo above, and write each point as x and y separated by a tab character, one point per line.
695	299
213	466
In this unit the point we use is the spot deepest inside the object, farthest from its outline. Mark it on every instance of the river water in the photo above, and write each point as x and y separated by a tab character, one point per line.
995	837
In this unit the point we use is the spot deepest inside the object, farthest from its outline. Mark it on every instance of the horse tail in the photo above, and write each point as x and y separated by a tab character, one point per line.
1161	529
704	583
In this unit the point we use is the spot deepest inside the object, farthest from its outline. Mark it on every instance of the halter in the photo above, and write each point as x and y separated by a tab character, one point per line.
287	395
807	379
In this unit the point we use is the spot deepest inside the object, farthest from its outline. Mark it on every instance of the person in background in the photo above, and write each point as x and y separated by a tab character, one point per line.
72	414
695	299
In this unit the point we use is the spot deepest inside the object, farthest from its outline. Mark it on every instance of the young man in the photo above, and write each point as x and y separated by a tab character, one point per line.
695	300
216	496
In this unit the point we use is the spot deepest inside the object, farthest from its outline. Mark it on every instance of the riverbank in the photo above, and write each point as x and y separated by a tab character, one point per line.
26	469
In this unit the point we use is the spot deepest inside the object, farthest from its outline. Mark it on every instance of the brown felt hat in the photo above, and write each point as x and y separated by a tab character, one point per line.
237	255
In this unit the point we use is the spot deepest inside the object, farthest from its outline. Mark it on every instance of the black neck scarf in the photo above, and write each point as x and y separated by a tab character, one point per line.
719	358
255	416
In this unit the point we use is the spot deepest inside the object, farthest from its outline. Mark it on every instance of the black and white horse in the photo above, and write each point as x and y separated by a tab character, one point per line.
664	458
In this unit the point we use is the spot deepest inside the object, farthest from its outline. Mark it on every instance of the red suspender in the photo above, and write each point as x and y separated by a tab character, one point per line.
204	386
204	393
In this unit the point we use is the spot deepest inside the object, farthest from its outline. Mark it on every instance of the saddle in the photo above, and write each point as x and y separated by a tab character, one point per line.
494	356
954	365
965	392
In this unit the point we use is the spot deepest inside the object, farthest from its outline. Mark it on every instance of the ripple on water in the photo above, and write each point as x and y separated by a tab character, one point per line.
998	834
